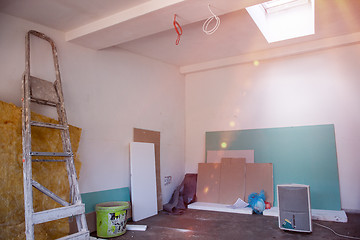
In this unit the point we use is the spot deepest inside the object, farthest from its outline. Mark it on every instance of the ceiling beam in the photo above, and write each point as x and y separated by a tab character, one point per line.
291	50
149	18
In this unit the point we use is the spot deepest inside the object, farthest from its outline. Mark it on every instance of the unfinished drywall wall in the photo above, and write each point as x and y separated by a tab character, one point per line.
51	175
311	89
107	93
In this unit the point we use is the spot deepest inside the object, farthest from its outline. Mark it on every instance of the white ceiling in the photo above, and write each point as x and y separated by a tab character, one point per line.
146	26
65	15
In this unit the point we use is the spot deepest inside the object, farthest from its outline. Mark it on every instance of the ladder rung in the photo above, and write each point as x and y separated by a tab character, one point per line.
48	125
51	154
43	102
58	213
77	236
48	160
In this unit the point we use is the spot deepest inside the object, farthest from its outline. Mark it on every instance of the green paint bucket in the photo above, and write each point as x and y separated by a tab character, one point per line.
111	218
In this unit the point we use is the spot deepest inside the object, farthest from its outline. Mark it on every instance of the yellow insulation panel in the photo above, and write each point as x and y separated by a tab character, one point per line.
51	175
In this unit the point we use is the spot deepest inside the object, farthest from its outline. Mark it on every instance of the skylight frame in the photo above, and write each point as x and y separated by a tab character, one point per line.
280	5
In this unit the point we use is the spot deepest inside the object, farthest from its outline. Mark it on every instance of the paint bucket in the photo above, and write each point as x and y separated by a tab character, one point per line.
111	218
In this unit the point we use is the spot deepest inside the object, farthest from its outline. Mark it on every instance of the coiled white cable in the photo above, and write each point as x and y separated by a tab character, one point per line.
208	21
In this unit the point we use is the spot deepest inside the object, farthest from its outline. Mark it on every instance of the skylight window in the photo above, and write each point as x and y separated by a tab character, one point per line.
279	5
284	19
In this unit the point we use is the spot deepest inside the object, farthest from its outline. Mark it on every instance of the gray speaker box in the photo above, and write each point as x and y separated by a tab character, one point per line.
294	207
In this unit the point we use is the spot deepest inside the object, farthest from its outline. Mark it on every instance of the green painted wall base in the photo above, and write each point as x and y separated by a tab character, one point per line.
92	198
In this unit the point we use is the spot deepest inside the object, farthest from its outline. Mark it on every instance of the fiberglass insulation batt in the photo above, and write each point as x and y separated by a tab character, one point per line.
51	175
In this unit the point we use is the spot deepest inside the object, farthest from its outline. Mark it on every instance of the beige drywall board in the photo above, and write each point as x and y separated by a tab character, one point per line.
149	136
232	180
143	180
259	176
208	182
215	156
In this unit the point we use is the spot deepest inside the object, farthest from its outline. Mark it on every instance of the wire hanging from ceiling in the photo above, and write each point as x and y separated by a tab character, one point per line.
208	21
178	30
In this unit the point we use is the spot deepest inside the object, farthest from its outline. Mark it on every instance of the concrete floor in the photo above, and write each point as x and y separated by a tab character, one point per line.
207	225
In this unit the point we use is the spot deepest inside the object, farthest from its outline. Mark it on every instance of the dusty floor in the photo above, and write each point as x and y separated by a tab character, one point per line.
207	225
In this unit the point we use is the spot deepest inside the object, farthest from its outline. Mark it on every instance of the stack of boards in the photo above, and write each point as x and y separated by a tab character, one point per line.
233	178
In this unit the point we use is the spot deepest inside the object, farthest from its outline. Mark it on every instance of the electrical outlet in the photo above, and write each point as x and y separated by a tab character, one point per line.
167	180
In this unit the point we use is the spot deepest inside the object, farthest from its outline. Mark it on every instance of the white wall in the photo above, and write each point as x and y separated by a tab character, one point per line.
107	94
315	88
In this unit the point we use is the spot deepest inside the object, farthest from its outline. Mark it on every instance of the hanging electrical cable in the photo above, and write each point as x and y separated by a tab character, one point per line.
178	30
208	21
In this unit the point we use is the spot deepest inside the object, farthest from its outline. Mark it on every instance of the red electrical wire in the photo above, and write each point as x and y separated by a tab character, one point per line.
178	30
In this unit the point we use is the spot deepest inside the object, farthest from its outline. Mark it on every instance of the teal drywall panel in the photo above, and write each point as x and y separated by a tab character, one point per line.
303	155
92	198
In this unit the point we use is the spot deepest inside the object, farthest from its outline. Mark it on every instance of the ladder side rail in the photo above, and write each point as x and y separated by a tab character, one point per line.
81	222
71	183
61	105
80	219
75	196
65	134
41	35
26	142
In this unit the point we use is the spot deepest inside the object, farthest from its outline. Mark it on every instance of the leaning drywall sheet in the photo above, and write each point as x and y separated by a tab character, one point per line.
259	176
148	136
215	156
232	180
143	180
208	182
294	157
52	175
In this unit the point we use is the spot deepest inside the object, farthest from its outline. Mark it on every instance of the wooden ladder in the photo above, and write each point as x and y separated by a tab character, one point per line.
48	93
